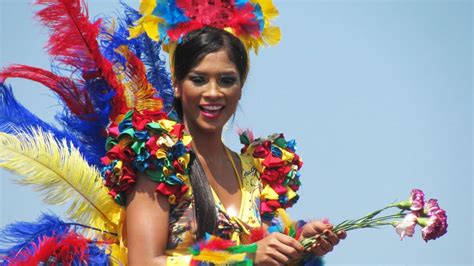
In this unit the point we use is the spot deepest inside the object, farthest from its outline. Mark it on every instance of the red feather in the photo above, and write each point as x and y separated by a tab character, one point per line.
77	100
257	234
42	252
63	251
73	42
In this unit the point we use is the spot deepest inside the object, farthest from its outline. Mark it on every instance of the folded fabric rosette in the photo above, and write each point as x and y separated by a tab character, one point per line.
150	143
278	165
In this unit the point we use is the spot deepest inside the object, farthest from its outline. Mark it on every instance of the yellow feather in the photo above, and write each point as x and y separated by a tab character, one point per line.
219	257
58	170
284	217
272	35
147	6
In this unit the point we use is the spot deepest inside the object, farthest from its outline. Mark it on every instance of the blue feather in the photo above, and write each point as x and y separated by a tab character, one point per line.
170	12
24	238
90	133
97	256
157	73
23	235
14	118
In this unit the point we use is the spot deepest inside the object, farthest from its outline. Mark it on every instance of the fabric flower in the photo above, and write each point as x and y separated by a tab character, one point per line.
141	119
147	142
272	175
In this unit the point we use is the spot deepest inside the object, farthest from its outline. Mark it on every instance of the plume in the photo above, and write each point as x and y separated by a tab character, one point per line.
140	94
15	118
73	43
150	53
77	100
57	169
48	237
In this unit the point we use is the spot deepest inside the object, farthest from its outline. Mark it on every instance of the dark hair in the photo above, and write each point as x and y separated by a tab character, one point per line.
199	43
188	54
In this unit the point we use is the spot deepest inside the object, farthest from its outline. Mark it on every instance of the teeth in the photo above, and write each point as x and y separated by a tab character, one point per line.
212	107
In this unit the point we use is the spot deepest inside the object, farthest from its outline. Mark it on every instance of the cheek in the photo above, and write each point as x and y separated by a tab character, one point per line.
234	98
189	93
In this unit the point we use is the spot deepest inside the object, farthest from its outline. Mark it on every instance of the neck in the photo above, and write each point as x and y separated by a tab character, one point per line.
208	145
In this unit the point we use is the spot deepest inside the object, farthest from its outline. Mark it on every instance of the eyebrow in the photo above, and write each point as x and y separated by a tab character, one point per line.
230	72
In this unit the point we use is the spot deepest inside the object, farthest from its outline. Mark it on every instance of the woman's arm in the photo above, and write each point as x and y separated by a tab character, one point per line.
146	224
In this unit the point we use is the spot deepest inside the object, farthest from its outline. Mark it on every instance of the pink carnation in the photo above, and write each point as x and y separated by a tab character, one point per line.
436	225
417	200
407	226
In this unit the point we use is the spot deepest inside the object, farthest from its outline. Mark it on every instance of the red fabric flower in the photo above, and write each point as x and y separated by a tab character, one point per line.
271	176
178	167
167	189
151	145
178	130
141	119
260	152
297	161
119	153
113	131
279	188
272	162
294	187
127	180
284	170
265	208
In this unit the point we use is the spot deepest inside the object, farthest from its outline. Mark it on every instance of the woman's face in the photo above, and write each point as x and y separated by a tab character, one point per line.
210	93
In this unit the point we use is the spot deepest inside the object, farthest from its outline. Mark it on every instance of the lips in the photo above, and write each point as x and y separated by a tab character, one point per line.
211	110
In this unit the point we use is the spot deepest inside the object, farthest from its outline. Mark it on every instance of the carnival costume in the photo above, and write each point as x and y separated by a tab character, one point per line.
117	122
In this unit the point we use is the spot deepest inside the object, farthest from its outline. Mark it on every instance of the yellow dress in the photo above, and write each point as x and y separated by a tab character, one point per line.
182	222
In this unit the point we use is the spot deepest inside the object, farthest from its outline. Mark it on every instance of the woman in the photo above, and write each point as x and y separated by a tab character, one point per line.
210	68
207	189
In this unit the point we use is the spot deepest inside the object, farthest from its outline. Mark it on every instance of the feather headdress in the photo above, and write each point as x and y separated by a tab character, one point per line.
170	21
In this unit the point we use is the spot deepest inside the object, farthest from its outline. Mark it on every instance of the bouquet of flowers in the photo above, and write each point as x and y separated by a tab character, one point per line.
409	213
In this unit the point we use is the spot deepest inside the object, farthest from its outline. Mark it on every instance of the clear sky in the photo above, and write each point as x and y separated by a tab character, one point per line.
378	95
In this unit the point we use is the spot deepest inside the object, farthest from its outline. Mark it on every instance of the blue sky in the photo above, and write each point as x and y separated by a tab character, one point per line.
378	95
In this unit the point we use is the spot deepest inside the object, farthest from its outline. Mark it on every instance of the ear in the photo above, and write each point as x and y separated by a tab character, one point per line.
177	91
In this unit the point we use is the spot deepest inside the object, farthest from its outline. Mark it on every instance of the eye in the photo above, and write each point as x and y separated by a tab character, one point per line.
198	80
227	81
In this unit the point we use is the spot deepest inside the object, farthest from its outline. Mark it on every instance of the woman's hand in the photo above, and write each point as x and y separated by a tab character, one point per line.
277	249
326	243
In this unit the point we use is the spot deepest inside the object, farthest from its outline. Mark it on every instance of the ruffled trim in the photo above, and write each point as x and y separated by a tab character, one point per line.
278	165
151	143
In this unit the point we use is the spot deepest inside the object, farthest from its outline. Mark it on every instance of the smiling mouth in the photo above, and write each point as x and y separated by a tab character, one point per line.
211	111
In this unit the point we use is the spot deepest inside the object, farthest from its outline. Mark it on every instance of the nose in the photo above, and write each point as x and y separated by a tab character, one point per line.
212	90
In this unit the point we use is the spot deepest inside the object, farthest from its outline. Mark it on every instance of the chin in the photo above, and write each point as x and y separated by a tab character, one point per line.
210	126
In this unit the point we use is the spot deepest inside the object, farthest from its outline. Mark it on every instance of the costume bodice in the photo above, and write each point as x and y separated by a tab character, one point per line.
235	226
